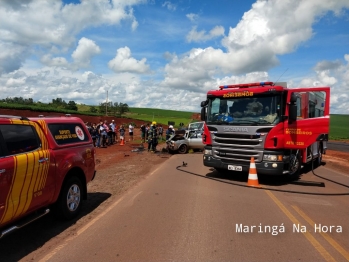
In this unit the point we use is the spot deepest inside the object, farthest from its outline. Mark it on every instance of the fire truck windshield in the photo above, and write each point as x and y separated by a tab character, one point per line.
257	110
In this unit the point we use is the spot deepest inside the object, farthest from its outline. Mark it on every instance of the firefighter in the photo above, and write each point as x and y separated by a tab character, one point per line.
170	131
152	137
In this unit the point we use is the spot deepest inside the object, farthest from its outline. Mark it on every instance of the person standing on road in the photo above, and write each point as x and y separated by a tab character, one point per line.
112	130
152	138
122	133
106	128
161	131
143	133
147	128
94	132
130	132
104	133
99	128
170	131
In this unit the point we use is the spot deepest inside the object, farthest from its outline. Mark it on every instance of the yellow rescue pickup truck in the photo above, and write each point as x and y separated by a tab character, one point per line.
45	163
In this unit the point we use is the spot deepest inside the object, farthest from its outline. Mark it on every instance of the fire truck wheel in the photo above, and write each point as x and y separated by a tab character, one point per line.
295	165
319	158
183	149
69	202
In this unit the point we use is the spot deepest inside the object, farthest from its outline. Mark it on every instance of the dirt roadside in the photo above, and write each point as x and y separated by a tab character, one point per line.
118	170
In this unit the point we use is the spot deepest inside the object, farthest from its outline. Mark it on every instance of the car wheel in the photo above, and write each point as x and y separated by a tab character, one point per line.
295	166
183	149
70	199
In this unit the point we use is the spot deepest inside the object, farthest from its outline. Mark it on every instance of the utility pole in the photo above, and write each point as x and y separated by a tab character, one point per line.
106	105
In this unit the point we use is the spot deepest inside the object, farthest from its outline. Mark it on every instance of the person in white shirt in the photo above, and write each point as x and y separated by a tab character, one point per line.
130	132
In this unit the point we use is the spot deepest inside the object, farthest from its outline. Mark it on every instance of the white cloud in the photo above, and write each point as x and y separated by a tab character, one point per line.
170	6
48	24
269	29
82	55
56	61
192	70
85	50
123	62
192	17
336	75
195	36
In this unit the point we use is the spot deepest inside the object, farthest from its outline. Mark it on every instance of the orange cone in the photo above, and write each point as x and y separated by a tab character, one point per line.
252	175
122	143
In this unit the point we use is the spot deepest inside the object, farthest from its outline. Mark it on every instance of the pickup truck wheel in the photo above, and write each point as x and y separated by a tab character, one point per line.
183	149
69	202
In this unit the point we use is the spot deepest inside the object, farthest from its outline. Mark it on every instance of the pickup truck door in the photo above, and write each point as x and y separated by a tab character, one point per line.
26	165
6	171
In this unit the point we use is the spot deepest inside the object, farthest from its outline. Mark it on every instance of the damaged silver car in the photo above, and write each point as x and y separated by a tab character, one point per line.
183	141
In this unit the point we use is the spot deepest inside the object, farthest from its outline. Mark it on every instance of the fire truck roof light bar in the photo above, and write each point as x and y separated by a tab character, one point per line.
247	85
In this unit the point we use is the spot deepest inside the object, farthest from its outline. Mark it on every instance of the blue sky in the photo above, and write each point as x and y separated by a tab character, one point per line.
168	54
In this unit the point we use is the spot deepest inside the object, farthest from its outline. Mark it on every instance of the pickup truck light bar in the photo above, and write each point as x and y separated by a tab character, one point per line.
14	117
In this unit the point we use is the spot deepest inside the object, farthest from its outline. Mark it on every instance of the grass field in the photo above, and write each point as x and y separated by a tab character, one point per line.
161	116
339	127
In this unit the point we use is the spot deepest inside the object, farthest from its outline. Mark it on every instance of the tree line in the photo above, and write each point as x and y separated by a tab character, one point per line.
109	108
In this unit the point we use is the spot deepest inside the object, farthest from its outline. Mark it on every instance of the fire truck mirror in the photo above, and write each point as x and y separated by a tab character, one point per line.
203	114
292	112
293	99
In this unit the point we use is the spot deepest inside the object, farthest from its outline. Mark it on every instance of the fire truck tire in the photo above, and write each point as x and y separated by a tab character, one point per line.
183	149
319	158
295	166
70	199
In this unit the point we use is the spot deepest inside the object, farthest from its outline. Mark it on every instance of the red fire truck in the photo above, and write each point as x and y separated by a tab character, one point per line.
281	128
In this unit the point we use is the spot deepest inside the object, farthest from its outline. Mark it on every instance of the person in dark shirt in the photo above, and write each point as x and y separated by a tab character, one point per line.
143	133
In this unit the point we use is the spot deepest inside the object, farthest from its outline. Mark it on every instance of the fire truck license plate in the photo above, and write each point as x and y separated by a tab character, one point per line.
235	168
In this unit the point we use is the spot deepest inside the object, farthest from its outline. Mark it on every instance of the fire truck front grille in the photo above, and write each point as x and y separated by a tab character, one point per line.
232	141
227	154
237	148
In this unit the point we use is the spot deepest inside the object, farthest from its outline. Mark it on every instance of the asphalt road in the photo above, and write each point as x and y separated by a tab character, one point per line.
338	146
192	213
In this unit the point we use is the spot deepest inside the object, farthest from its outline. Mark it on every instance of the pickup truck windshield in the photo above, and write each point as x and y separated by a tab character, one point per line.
257	110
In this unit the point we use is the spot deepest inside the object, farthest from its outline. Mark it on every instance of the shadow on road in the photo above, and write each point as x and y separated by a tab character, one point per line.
22	242
262	179
267	180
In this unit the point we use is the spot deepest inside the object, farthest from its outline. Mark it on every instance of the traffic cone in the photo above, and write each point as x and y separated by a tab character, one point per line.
252	175
122	143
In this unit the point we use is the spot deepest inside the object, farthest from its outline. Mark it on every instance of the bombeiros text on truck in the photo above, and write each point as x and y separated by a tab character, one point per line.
281	128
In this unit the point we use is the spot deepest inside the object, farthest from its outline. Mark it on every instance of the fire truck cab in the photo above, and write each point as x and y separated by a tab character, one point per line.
281	128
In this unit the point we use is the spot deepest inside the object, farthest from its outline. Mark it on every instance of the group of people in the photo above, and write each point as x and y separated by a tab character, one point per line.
152	133
106	134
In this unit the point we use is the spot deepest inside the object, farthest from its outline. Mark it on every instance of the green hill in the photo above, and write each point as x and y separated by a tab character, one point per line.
339	127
